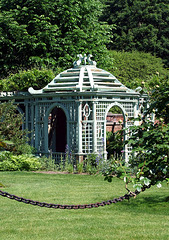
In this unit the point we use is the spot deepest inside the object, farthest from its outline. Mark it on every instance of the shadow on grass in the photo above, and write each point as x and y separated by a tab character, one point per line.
149	204
153	200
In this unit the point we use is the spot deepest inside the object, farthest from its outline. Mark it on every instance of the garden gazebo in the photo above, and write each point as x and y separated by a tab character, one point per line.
71	110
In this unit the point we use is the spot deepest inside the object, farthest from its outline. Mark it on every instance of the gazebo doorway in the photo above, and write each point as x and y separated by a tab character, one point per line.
57	130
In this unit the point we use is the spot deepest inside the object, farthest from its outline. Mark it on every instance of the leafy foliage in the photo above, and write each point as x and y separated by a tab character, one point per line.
10	162
160	102
24	79
140	25
114	144
4	143
132	68
11	129
113	167
50	33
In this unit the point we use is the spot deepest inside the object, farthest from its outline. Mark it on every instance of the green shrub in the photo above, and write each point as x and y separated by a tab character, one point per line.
47	163
24	79
69	167
25	149
10	162
90	163
90	169
79	167
91	159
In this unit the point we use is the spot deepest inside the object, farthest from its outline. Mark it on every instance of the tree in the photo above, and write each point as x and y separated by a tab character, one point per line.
132	68
149	164
140	25
50	33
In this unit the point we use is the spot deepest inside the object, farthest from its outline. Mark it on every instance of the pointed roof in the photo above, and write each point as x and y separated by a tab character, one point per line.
83	78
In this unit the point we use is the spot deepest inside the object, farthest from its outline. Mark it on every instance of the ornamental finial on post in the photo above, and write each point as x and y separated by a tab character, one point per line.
83	59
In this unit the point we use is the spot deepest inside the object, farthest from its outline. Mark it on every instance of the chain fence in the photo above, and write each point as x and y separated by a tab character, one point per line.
127	196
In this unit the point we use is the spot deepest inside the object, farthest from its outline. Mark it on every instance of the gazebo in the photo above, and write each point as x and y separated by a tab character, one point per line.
71	110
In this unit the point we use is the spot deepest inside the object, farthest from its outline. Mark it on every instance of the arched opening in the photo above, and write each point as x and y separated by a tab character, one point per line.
114	133
57	130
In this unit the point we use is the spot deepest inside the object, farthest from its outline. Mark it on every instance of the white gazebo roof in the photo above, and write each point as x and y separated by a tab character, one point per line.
83	78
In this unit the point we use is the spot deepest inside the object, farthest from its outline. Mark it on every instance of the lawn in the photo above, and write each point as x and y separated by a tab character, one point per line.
145	217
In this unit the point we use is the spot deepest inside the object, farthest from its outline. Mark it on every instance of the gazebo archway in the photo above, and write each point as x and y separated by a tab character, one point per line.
115	120
57	130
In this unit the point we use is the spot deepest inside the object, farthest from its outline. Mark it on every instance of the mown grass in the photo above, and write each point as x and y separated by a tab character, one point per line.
145	217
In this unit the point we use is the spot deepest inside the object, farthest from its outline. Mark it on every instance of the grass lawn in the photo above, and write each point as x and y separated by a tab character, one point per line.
145	218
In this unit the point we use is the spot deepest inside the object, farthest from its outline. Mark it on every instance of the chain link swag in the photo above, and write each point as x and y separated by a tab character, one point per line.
81	206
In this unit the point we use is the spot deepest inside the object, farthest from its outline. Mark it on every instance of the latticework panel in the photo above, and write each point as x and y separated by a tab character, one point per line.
101	110
72	110
40	113
87	137
87	127
100	136
129	108
42	109
73	136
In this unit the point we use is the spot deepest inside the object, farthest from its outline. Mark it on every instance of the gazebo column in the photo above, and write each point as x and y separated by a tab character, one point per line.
32	122
36	129
94	128
26	114
80	153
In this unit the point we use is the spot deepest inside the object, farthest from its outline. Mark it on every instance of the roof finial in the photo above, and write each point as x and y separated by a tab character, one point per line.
91	62
78	62
85	59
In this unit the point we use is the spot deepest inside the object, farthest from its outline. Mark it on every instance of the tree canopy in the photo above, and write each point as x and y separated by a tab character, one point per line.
133	68
140	25
37	33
